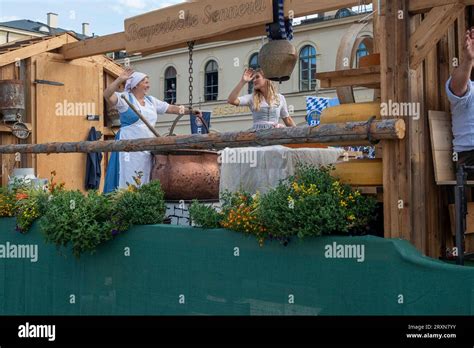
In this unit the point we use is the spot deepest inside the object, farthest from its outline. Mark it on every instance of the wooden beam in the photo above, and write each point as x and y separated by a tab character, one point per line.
365	172
418	154
421	6
109	65
36	48
366	77
233	36
192	21
6	129
117	41
302	8
330	133
91	47
394	88
431	30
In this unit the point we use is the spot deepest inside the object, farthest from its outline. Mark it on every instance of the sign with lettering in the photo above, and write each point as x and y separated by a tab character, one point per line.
193	21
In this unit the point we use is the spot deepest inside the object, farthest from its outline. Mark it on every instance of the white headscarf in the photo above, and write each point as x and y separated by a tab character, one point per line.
134	80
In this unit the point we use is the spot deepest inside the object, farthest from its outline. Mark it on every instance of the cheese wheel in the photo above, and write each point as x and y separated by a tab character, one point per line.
356	112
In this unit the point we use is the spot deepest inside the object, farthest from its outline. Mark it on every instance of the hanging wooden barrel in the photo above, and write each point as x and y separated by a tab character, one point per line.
188	174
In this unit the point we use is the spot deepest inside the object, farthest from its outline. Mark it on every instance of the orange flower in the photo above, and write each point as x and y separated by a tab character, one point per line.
20	196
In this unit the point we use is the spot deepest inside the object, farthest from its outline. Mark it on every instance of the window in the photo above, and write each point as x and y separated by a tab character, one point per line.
170	85
211	83
345	12
361	52
307	68
253	64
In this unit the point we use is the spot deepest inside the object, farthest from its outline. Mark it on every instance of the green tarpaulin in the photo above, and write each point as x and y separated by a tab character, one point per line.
180	270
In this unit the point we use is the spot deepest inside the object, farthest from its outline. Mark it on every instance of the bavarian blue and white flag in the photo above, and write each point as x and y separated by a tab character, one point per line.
315	106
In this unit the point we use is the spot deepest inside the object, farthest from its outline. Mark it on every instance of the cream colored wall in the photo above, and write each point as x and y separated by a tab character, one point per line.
12	36
232	57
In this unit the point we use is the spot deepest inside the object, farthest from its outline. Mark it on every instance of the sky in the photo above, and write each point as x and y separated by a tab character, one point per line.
104	16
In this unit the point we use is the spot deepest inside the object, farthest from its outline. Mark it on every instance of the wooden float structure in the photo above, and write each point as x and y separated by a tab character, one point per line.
417	41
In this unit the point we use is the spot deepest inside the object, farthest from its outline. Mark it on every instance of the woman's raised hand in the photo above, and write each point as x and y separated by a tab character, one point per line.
126	74
249	75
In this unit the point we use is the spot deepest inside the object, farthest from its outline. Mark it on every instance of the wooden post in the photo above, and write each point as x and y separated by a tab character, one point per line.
394	88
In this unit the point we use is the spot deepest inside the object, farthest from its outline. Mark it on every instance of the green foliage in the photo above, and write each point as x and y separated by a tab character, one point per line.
312	203
82	222
241	214
204	216
7	202
144	205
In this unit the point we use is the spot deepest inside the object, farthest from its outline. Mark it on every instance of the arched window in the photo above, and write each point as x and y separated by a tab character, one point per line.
253	64
344	12
211	81
170	85
307	68
361	52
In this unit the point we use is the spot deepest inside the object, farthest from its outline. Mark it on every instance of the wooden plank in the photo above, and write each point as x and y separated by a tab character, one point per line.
6	129
451	47
91	47
193	21
368	76
109	66
7	72
418	153
431	30
302	8
360	172
241	34
461	29
8	161
469	218
436	229
68	124
36	48
442	146
444	68
421	6
394	87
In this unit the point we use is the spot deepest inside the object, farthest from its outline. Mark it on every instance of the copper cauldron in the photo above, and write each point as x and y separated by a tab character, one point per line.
187	174
278	60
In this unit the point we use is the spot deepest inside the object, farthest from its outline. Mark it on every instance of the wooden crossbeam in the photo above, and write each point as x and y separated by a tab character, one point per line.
177	38
421	6
431	30
351	132
36	48
91	47
366	77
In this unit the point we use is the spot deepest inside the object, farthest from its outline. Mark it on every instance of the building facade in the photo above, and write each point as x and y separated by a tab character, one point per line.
24	29
218	67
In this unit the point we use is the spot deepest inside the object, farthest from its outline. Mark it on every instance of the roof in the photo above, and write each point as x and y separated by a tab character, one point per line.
29	25
26	48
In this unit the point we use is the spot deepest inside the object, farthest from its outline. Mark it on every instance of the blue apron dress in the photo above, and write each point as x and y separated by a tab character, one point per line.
124	165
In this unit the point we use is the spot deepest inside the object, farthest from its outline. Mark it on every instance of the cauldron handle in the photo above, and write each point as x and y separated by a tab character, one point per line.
176	120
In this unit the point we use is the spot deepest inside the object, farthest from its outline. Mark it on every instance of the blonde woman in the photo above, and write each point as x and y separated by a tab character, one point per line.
266	104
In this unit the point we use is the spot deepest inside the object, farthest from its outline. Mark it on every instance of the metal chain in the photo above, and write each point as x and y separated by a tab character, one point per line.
191	79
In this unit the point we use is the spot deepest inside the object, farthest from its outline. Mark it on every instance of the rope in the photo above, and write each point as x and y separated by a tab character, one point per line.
285	26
